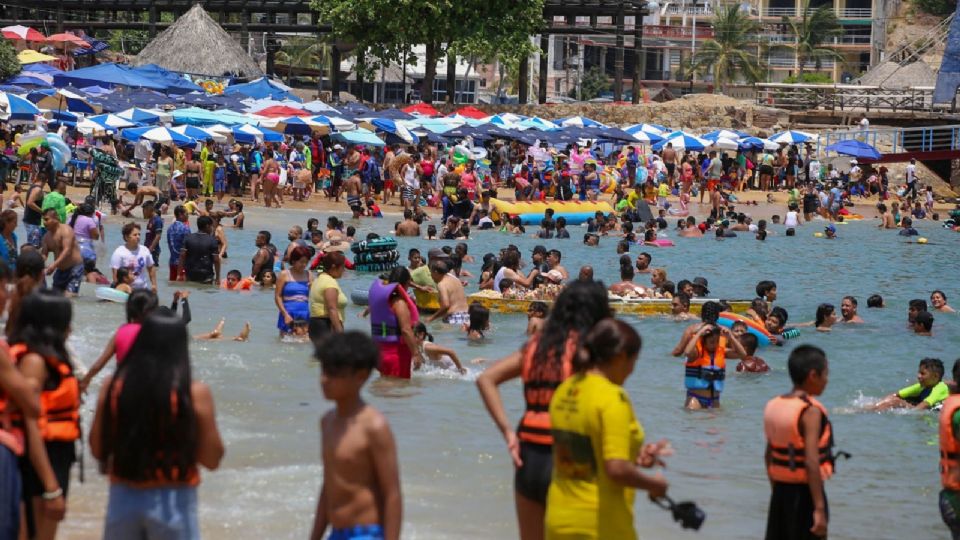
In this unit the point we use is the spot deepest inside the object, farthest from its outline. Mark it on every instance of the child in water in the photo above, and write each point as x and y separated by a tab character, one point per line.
536	317
707	353
440	356
750	363
479	322
928	392
217	332
124	280
360	496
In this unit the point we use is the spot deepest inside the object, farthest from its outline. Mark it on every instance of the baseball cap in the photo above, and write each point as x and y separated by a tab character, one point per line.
831	228
337	147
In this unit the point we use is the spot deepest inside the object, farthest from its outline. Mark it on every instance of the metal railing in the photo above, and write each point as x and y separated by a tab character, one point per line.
843	97
900	140
848	13
676	32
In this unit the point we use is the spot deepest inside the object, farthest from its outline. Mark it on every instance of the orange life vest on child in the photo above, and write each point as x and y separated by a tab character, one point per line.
707	371
59	407
949	447
538	388
781	423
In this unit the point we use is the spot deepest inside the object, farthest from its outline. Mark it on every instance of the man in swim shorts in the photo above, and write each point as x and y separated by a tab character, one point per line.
352	189
67	266
453	299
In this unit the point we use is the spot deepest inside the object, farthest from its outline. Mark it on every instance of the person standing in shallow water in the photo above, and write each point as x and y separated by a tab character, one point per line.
154	472
542	364
360	498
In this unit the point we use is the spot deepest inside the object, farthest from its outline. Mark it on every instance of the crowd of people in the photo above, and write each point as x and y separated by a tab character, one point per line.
579	451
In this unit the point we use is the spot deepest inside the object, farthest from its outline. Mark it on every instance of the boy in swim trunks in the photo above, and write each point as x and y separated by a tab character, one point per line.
453	299
750	363
360	496
928	392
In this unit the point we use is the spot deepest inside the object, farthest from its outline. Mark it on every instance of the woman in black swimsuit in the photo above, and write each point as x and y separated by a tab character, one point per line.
192	180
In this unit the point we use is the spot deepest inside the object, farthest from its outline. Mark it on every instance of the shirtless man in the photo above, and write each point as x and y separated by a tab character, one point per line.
691	231
670	160
848	309
352	188
453	299
67	266
139	193
886	218
408	227
643	263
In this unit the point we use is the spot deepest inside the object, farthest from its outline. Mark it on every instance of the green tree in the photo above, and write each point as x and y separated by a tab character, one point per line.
387	29
730	53
814	28
940	8
129	42
594	83
9	65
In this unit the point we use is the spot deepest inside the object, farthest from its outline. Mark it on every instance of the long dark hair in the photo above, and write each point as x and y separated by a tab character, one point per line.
150	429
42	324
580	306
823	311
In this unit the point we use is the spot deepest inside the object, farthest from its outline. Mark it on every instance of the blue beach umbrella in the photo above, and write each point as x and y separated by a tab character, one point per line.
14	107
155	134
139	116
199	134
724	134
855	148
112	121
756	143
246	133
654	129
792	137
579	121
392	127
358	136
683	142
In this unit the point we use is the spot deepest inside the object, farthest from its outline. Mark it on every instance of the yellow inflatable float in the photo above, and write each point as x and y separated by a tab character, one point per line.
575	212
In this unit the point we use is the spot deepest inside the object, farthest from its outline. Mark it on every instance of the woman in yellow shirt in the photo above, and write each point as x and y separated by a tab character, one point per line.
598	444
327	301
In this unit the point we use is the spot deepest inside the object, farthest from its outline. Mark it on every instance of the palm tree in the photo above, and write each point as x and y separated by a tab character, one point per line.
303	52
813	29
729	54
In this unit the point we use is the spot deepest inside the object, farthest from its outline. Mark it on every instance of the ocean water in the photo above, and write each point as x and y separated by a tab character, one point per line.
456	474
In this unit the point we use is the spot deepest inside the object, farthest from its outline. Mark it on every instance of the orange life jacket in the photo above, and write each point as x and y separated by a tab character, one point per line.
59	407
949	447
781	423
538	388
707	371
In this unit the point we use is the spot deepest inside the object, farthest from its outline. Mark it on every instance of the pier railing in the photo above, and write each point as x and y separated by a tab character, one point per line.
845	97
913	140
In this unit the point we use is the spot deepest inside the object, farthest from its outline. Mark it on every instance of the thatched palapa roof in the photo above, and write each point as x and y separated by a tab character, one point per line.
196	44
892	75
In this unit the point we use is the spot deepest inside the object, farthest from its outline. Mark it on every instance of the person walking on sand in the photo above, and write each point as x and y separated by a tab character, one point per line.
360	497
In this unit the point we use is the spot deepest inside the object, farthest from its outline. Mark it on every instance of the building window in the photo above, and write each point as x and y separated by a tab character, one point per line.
466	90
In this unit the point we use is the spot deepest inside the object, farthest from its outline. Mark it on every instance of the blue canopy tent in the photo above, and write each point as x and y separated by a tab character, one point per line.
175	83
27	80
389	114
107	75
202	117
855	148
357	109
262	88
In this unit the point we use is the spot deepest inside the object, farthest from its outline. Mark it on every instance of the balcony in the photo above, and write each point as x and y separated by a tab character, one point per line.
676	32
790	39
848	13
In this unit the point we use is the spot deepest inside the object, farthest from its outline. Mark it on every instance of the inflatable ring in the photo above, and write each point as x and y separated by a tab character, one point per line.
111	295
360	297
384	243
763	337
660	242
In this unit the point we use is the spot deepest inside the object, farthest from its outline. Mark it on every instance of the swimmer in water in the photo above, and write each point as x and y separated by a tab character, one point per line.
938	300
124	280
848	311
441	356
826	317
926	393
750	363
217	332
680	307
915	307
758	310
767	290
479	322
923	324
536	317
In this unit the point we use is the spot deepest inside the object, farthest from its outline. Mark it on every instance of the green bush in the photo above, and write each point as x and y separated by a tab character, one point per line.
810	78
9	65
941	8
